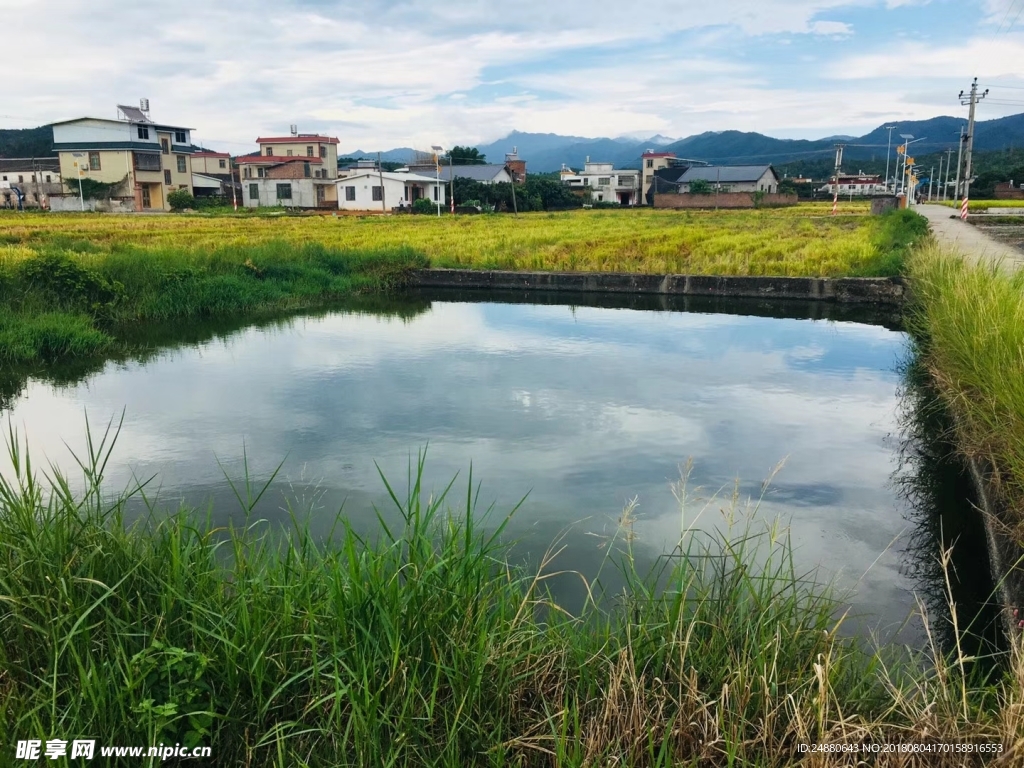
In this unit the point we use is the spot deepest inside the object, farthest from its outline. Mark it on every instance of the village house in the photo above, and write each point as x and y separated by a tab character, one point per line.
732	178
603	183
307	145
378	191
296	171
292	182
142	160
484	173
650	163
33	180
858	185
211	163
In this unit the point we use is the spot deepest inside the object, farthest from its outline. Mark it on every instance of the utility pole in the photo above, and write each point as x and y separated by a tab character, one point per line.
938	188
839	162
945	183
380	175
972	100
888	152
931	179
959	165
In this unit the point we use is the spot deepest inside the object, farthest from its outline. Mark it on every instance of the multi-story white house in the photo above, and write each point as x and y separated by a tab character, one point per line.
604	183
142	160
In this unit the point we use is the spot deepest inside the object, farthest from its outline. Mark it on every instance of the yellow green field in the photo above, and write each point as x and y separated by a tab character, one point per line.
800	241
981	205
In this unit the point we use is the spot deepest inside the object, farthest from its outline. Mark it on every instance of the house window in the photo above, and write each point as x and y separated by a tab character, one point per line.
323	151
179	137
435	192
143	132
604	181
309	151
650	163
167	177
586	182
261	172
94	161
289	153
284	191
254	191
222	163
181	163
21	179
350	193
270	151
305	170
47	178
247	173
378	193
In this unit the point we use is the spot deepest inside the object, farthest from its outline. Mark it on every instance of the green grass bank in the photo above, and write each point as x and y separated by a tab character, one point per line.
969	325
425	646
72	286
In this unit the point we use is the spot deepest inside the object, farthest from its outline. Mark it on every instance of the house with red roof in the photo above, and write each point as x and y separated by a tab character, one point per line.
297	171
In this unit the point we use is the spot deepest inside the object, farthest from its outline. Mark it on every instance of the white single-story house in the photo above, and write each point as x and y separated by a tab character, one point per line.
483	173
732	178
374	191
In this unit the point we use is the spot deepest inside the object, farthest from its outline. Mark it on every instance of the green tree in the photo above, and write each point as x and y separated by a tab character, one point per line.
700	187
464	156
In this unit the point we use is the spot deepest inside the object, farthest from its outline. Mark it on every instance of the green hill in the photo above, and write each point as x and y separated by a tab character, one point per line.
26	142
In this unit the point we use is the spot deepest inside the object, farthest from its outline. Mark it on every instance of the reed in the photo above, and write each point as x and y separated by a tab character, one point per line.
425	646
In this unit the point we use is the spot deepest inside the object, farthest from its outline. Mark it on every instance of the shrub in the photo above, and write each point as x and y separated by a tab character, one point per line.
424	206
180	199
700	187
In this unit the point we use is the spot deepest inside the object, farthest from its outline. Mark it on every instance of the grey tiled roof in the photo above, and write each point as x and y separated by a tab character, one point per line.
30	164
727	174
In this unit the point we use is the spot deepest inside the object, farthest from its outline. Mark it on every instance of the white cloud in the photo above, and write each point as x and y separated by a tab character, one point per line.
415	73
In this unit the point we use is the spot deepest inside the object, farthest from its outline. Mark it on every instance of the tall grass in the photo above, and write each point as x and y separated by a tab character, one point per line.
970	323
424	646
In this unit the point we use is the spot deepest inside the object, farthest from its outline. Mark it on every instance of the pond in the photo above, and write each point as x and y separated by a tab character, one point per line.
581	409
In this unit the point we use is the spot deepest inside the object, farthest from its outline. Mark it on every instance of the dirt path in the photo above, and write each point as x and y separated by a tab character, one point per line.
969	240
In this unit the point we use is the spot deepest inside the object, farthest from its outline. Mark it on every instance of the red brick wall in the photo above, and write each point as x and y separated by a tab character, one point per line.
721	200
1004	191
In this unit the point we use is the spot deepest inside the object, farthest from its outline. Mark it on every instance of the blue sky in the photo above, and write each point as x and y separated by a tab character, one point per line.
417	72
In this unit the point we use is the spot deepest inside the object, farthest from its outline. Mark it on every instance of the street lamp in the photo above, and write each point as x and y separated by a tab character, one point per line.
908	139
437	187
888	152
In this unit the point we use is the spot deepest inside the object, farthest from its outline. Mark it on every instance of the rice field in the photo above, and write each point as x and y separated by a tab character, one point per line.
69	282
981	205
799	241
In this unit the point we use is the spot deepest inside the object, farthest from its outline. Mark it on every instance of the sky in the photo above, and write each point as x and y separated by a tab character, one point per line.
414	73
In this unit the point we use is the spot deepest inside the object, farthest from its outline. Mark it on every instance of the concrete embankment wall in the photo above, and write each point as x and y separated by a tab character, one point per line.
722	200
872	290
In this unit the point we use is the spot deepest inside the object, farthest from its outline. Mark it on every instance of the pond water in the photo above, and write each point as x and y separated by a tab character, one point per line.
578	408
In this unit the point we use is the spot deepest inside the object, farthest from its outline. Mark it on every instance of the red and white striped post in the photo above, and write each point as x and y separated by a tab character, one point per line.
963	209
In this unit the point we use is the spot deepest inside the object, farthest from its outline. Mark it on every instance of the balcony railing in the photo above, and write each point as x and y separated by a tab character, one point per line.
147	162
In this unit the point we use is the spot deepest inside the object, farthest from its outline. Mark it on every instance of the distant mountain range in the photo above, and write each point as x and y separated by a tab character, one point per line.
545	152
